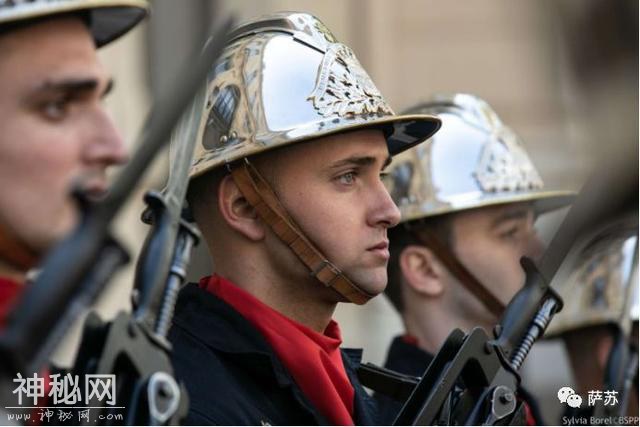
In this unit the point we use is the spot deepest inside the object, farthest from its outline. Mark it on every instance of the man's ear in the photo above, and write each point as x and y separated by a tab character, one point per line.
422	270
236	210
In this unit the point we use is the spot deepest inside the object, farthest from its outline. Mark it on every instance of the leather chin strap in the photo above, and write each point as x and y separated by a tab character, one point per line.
14	252
261	196
473	285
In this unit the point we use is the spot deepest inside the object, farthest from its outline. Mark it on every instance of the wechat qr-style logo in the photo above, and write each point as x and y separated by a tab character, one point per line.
565	392
574	400
568	395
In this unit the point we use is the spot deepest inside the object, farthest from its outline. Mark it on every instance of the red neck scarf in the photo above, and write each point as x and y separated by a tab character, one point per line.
9	292
313	359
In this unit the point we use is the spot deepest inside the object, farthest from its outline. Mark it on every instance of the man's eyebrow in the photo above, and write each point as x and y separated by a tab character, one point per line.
359	161
108	88
74	85
387	162
511	214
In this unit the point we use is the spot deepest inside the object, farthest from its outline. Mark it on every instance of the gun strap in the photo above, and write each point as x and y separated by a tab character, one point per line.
446	256
261	196
14	252
392	384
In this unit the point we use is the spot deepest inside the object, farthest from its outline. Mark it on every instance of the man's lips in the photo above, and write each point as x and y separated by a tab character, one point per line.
94	185
381	249
382	245
95	190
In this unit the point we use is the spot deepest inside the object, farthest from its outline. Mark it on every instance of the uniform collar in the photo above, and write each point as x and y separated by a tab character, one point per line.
219	326
407	358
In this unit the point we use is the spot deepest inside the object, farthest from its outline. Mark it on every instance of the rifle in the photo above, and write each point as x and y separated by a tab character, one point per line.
622	363
133	347
473	379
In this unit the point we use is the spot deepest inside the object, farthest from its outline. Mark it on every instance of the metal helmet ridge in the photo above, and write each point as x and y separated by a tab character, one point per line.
284	78
473	161
107	19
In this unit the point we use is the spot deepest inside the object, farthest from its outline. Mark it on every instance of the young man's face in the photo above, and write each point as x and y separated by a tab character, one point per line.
489	242
55	132
333	190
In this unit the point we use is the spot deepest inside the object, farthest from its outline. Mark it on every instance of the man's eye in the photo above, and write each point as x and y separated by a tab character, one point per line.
347	178
511	233
55	109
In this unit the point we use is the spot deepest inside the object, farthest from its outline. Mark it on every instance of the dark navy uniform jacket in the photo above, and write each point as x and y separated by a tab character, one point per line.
233	376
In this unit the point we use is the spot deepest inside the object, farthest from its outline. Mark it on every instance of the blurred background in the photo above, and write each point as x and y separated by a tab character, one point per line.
562	73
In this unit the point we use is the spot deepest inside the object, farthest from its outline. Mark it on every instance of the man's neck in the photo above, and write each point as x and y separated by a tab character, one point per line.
430	334
309	304
432	324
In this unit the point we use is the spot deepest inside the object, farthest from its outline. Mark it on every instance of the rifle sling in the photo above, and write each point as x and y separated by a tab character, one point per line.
392	384
473	285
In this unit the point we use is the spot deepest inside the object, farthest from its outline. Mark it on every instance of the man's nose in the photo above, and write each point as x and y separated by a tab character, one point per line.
535	247
385	212
105	145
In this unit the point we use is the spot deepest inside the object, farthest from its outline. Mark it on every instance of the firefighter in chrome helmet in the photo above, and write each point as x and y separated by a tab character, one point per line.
56	134
468	199
293	136
599	320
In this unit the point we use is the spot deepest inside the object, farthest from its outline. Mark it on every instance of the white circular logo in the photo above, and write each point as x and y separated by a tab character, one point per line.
574	401
565	392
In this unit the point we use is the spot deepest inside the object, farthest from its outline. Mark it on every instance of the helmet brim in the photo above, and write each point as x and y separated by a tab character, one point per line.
109	19
548	201
543	201
405	131
401	133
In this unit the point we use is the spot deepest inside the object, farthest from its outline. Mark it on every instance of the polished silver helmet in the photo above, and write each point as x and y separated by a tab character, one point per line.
601	284
284	78
474	160
108	19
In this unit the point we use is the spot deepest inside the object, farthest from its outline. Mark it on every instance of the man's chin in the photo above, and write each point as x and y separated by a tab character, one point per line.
47	240
371	282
